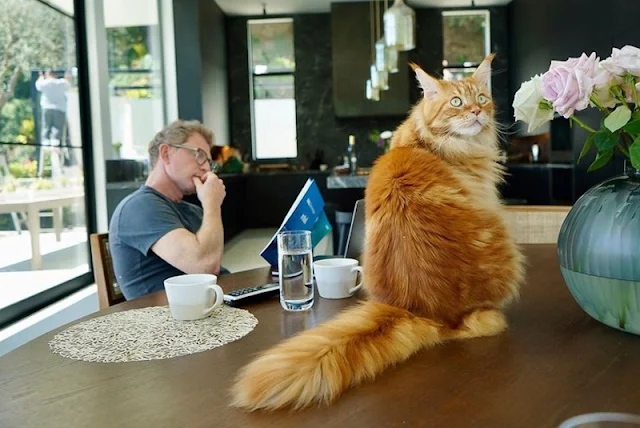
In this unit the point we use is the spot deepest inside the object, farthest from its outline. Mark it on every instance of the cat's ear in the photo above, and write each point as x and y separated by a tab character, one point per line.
430	86
483	72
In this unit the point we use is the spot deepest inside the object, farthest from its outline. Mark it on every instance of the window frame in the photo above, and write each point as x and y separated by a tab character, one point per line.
471	66
252	75
24	308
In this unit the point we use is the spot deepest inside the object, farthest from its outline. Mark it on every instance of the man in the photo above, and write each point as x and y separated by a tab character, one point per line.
54	105
155	234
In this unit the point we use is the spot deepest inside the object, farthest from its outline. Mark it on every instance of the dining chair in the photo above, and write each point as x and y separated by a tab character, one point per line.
109	292
535	224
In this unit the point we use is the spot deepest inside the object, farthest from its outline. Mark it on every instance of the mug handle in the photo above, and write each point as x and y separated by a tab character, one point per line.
357	287
217	290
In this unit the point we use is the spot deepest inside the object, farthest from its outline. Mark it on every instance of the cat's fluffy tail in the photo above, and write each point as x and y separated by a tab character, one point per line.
316	366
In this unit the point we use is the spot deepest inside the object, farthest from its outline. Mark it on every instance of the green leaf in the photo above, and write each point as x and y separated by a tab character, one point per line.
633	127
618	118
605	140
601	160
634	153
629	79
636	115
587	146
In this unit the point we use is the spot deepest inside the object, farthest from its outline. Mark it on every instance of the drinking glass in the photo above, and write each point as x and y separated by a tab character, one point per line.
295	270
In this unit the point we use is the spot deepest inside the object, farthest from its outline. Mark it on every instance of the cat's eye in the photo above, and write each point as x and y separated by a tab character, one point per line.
482	99
456	101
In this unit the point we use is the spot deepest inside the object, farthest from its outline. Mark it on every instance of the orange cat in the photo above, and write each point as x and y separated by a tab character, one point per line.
439	263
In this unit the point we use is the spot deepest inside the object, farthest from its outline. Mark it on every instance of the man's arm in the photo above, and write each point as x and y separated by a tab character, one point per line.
200	252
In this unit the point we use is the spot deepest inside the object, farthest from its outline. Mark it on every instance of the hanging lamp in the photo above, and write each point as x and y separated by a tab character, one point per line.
380	52
399	26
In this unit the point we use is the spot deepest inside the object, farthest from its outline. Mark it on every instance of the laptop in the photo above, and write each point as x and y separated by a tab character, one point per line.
355	241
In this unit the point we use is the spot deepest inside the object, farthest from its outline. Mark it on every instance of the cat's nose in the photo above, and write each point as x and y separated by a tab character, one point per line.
476	110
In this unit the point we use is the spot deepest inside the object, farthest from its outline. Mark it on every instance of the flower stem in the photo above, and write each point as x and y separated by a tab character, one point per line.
626	138
600	106
581	123
623	150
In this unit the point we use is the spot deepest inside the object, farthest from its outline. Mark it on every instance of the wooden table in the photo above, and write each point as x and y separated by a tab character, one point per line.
554	362
32	204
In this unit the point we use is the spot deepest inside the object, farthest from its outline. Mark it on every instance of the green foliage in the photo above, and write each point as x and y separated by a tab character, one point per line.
619	129
32	36
16	122
618	118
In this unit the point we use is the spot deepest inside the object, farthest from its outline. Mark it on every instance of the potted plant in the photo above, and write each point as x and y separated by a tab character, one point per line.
116	149
599	242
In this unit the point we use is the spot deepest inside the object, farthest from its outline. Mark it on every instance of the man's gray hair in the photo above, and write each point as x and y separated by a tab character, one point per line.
177	132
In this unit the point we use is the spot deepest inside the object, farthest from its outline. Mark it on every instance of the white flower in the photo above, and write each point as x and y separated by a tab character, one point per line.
602	90
622	61
386	135
526	104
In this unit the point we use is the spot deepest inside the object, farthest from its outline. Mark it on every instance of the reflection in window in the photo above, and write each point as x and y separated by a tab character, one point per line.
272	59
43	236
135	79
466	42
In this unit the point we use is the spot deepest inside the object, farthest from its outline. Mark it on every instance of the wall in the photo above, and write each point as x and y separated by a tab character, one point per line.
543	30
201	64
213	50
188	59
317	127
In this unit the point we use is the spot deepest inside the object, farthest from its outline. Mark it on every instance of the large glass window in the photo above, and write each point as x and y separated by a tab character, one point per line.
43	234
135	76
467	41
272	65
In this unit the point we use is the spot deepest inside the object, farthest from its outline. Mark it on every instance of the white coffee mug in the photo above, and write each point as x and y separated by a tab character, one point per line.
189	295
336	278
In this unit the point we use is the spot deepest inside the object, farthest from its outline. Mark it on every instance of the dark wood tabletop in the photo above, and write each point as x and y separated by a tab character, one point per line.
553	363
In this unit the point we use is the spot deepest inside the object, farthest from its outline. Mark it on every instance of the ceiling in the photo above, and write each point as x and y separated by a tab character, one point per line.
284	7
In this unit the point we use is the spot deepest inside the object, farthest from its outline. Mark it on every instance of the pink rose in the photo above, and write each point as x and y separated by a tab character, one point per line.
569	84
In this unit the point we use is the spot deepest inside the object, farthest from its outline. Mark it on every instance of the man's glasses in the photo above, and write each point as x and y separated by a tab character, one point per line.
201	156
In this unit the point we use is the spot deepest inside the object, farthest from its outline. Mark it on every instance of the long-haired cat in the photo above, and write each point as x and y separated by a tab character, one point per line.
438	261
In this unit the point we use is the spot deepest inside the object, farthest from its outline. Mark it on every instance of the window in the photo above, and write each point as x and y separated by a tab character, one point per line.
43	225
272	65
134	55
467	41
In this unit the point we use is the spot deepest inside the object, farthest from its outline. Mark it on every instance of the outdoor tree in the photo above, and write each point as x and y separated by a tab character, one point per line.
32	35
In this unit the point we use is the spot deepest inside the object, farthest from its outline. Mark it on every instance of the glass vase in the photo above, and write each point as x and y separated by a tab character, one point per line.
599	251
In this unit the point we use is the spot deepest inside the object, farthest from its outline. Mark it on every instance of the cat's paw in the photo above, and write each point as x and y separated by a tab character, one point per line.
483	322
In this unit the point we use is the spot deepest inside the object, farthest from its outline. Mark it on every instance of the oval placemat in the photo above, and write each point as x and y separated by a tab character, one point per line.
150	334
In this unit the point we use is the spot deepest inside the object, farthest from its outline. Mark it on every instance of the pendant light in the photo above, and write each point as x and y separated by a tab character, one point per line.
374	77
380	52
373	94
399	26
391	54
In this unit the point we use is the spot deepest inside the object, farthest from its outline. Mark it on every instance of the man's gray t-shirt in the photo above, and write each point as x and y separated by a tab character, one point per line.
138	222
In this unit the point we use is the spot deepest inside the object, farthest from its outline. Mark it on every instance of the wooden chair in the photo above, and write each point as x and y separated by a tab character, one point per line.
109	293
533	224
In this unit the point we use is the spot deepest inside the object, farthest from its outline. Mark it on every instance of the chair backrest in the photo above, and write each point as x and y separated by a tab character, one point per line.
535	224
355	240
109	293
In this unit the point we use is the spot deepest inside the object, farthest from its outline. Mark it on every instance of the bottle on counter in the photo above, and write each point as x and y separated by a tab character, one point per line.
351	153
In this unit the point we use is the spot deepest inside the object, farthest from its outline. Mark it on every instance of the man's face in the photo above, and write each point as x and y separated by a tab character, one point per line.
182	165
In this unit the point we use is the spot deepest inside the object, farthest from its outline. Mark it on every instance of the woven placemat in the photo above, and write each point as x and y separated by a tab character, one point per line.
150	334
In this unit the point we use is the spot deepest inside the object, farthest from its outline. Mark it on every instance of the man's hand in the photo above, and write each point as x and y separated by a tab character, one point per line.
210	189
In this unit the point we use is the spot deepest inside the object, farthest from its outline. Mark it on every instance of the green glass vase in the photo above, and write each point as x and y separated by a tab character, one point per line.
599	251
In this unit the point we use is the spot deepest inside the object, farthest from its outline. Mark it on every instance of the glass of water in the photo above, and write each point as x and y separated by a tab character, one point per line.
295	270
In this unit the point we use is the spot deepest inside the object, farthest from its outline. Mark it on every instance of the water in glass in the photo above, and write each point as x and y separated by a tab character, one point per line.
295	266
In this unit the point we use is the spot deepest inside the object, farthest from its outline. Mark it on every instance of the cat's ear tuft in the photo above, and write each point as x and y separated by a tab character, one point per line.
483	72
430	86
